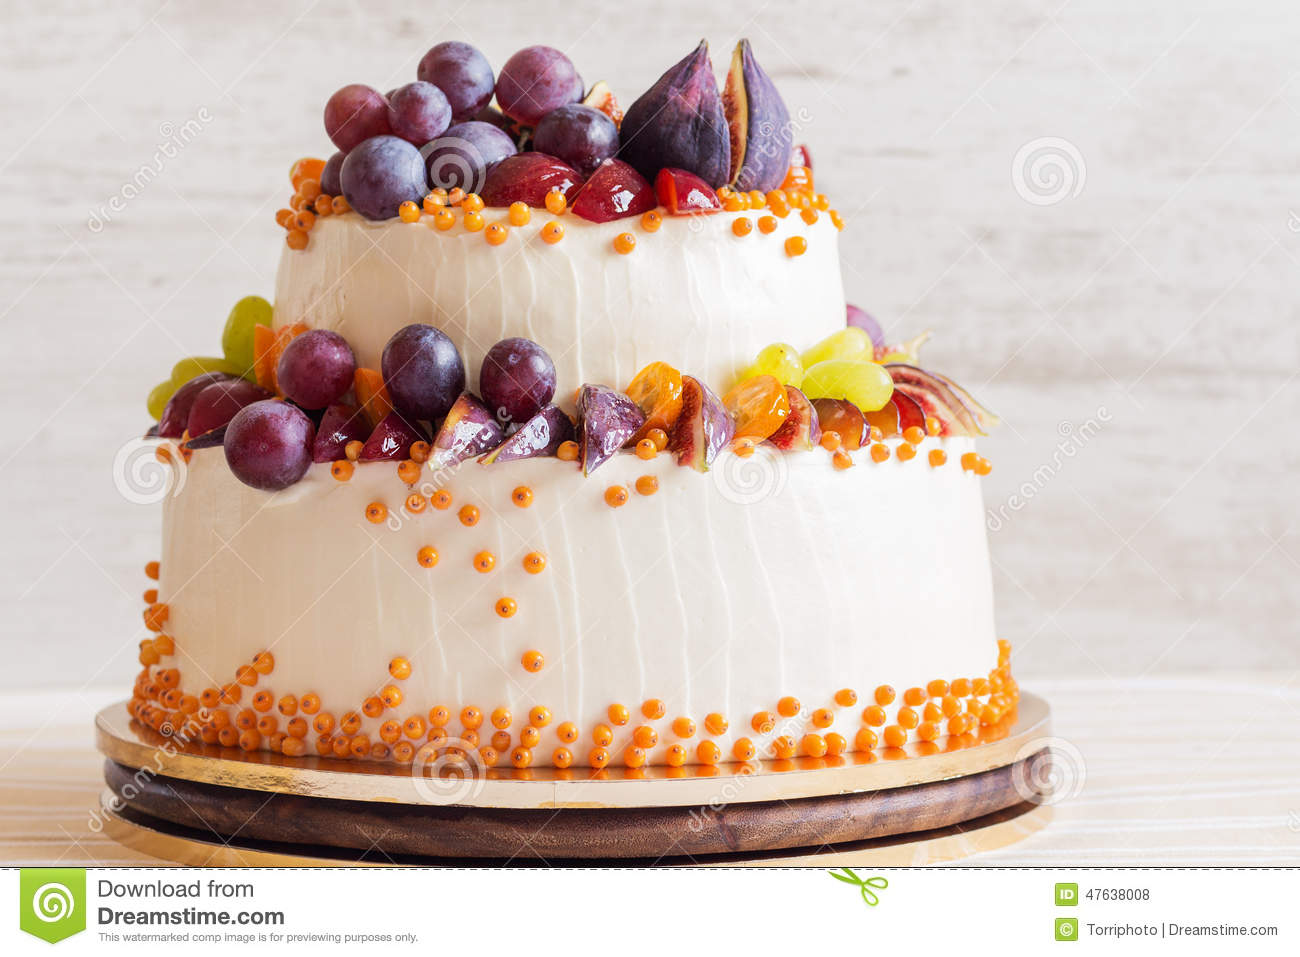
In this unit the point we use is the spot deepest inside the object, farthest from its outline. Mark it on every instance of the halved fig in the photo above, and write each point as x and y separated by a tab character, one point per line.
761	137
703	429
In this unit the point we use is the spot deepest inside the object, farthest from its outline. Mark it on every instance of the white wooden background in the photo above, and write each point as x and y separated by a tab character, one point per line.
1156	300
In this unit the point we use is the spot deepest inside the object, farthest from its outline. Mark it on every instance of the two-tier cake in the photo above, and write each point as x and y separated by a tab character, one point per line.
560	447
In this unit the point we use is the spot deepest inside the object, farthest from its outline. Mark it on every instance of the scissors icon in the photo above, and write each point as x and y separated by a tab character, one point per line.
864	885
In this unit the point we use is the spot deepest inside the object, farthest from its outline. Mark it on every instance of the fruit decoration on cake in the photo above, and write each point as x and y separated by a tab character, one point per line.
398	400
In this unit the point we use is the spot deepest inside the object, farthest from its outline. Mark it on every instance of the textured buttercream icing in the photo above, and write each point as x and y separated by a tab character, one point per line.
692	293
773	575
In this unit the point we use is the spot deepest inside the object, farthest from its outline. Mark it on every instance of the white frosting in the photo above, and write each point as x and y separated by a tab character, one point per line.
773	575
692	294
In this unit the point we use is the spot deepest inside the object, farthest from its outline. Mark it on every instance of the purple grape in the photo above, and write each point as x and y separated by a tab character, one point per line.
329	176
316	368
535	81
517	379
463	154
423	371
579	135
268	444
176	414
418	112
462	73
381	174
355	113
857	317
218	403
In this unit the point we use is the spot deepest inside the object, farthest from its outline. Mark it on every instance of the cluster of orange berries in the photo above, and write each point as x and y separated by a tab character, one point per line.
308	202
647	449
795	193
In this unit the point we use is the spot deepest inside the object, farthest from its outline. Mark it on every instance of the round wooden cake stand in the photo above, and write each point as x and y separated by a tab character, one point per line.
201	804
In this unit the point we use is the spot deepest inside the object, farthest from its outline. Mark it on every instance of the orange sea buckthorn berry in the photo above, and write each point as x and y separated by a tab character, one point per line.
788	706
735	203
472	203
473	222
539	716
501	741
708	753
352	451
598	757
779	210
885	694
471	718
846	697
982	465
895	736
323	205
409	471
427	556
246	675
602	735
489	756
533	661
813	745
836	219
651	221
556	203
455	196
842	460
231	693
927	731
914	696
164	644
836	744
506	607
567	732
323	723
522	496
441	500
646	449
659	437
831	440
763	722
785	747
647	485
156	615
341	470
484	562
339	204
420	452
416	503
767	224
309	703
683	727
284	217
468	515
414	727
874	715
879	452
403	752
245	719
937	688
567	452
645	736
624	243
715	723
742	226
519	214
373	706
501	718
960	687
152	570
865	739
552	233
653	708
938	457
616	496
390	731
914	434
444	219
432	202
905	452
496	234
908	718
391	696
810	216
376	512
823	718
250	740
534	562
561	757
744	750
931	711
619	714
408	212
439	716
263	701
150	595
757	199
675	755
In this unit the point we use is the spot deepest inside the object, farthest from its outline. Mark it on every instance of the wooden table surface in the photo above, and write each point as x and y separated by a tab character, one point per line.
1157	771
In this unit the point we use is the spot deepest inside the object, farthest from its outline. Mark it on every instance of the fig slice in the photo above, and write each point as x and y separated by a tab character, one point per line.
601	97
680	122
935	398
762	140
801	431
339	425
608	418
703	429
541	435
469	429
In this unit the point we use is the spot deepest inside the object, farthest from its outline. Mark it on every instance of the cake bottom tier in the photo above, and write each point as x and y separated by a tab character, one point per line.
774	607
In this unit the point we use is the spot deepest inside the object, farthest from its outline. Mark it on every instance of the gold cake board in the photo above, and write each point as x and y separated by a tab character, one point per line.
196	803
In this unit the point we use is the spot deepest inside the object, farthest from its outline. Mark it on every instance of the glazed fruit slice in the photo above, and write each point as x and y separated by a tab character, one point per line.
268	345
469	429
176	415
909	412
801	431
339	425
885	418
607	420
844	418
679	122
935	398
657	390
391	440
983	416
540	436
614	191
761	135
682	193
372	395
219	402
758	407
703	429
528	178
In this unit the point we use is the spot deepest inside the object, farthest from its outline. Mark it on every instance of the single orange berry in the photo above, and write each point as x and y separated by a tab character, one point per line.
865	739
602	735
683	727
473	222
742	226
651	221
885	694
645	736
788	706
456	196
823	718
152	570
785	747
408	212
352	451
496	234
879	452
501	718
468	515
744	750
427	556
767	224
616	496
521	757
895	736
836	219
567	452
846	697
444	219
809	216
715	723
484	562
764	722
938	457
675	755
567	732
659	437
646	449
831	440
534	562
842	460
472	203
905	452
341	470
796	246
409	472
552	232
506	607
519	214
339	205
874	715
376	512
556	202
813	745
305	220
440	500
598	758
471	717
618	714
433	202
708	753
533	661
296	239
647	485
914	434
624	243
561	757
415	503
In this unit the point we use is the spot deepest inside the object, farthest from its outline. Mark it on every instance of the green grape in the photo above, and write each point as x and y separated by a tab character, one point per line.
237	338
189	367
865	384
159	396
849	343
779	360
